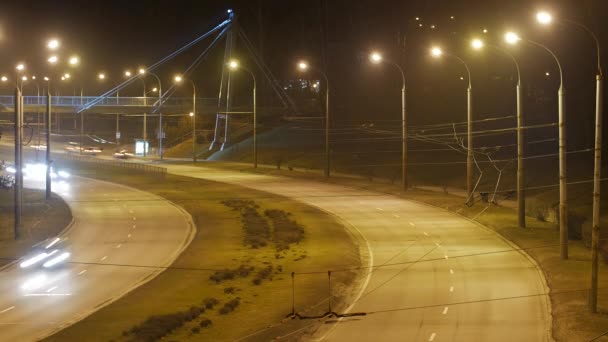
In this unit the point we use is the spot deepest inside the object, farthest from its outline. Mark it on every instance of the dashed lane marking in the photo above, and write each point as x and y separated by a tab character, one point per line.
445	311
82	272
7	309
104	258
432	337
451	288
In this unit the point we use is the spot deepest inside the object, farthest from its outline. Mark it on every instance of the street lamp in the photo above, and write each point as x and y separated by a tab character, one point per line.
234	65
304	66
143	72
478	44
101	76
179	79
546	18
74	61
376	58
52	44
20	67
512	38
438	52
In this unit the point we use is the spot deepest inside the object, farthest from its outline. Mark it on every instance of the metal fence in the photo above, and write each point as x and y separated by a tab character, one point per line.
156	170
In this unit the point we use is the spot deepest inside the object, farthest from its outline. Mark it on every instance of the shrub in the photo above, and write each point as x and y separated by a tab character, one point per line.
209	303
206	322
263	274
230	306
195	330
286	231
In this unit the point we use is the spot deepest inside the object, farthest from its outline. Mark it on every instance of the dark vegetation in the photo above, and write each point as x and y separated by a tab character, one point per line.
229	274
286	231
230	306
264	273
156	327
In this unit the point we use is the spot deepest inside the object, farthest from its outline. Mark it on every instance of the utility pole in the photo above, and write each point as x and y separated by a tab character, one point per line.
18	161
47	124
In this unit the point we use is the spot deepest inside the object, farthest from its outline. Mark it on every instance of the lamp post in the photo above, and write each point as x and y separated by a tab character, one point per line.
478	44
234	65
545	18
18	194
376	58
52	44
304	66
513	38
142	72
178	79
438	52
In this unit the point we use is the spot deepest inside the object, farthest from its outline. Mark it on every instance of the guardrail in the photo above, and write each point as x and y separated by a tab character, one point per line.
157	170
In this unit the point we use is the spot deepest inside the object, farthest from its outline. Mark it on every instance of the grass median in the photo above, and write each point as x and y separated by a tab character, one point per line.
234	279
41	219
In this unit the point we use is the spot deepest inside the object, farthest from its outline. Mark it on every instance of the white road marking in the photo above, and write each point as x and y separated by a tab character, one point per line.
445	256
129	236
119	245
437	244
445	310
451	271
130	211
380	209
46	294
425	233
134	226
104	258
451	288
412	224
134	218
7	309
82	272
397	216
432	337
51	289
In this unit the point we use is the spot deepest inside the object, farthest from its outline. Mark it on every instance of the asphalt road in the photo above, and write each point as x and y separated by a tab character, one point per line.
113	225
446	279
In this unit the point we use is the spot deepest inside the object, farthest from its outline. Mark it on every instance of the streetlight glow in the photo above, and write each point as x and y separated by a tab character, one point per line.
477	44
24	78
375	57
4	78
155	89
142	71
66	76
233	64
20	67
436	52
74	60
544	17
303	66
52	44
512	38
191	114
178	78
53	59
128	73
46	78
101	76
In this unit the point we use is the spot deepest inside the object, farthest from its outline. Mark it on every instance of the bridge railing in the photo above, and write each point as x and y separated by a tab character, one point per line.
77	101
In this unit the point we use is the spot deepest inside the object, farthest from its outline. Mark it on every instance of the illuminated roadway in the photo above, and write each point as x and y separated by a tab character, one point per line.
113	225
458	294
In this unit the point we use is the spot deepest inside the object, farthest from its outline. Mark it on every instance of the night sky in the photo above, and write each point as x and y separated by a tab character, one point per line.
335	35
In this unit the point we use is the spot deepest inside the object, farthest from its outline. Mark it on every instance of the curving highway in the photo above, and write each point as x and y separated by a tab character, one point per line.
113	225
446	278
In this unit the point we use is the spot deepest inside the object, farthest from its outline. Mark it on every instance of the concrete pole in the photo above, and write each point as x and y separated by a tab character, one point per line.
145	133
18	162
193	121
470	146
403	140
255	125
563	184
327	148
47	124
597	171
521	177
117	130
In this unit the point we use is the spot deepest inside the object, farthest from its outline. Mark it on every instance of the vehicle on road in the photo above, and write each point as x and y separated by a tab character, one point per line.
123	154
47	254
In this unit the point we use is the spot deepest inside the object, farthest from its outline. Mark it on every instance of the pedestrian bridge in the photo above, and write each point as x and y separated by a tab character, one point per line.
115	105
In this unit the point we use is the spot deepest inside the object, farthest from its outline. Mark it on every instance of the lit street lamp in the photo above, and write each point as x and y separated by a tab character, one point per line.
179	79
512	38
478	44
545	18
376	58
438	52
304	66
234	65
